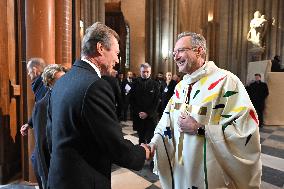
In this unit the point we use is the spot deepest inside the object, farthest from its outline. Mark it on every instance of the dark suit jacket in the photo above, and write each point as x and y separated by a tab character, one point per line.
258	91
117	92
167	93
144	97
124	94
86	135
39	125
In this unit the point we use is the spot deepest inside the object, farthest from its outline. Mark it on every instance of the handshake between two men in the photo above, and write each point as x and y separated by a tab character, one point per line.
149	149
186	124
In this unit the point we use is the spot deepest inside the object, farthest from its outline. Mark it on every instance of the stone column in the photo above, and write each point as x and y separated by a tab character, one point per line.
40	42
40	29
98	11
161	30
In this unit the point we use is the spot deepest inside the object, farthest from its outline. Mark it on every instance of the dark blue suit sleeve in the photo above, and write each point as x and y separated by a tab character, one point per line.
98	112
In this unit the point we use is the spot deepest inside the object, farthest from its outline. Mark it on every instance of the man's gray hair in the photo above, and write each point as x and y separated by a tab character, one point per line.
97	33
197	40
49	72
36	62
145	65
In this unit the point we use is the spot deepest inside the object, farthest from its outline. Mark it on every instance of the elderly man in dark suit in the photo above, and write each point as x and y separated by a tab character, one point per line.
86	135
35	68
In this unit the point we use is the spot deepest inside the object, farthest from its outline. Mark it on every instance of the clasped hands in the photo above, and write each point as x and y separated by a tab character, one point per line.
188	124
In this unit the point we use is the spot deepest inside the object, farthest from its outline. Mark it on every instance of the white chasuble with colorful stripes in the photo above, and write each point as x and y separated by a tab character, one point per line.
228	156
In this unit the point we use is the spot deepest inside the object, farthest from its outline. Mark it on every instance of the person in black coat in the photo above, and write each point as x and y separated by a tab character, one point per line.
126	86
162	84
35	68
113	81
168	90
276	65
144	98
86	135
258	91
50	74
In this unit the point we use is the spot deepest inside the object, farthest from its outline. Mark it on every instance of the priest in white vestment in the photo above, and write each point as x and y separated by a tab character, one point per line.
208	136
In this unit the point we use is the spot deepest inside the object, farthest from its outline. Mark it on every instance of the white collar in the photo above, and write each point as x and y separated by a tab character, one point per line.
204	70
93	65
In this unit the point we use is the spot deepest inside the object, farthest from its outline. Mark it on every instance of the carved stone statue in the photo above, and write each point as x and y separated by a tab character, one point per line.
257	30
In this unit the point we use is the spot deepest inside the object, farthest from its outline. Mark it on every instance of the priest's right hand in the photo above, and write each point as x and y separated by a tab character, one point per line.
147	150
153	149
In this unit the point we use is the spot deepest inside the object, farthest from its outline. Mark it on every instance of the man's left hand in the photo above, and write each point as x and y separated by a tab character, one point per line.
188	124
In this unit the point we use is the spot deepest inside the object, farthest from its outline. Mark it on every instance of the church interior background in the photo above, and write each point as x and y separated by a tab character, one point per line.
53	29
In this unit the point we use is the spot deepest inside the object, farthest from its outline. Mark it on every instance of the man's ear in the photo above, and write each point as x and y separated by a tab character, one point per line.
199	51
34	70
100	48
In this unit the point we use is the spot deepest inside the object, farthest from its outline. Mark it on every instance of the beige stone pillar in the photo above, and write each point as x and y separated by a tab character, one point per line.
98	11
161	31
40	42
92	11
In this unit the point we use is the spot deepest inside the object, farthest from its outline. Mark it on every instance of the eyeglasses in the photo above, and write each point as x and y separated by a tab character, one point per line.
181	50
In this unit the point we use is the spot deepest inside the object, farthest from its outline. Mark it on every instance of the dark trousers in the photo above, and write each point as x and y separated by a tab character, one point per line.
126	107
145	133
35	167
260	116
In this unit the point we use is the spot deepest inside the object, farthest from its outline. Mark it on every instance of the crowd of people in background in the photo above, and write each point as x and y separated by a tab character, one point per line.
124	107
